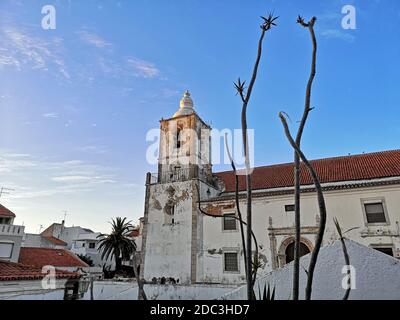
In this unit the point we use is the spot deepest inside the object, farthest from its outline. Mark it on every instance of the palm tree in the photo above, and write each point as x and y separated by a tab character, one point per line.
120	246
117	244
85	258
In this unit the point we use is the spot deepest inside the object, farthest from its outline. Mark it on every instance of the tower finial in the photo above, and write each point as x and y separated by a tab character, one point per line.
186	105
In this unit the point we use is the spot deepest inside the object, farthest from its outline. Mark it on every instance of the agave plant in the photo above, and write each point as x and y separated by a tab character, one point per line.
267	294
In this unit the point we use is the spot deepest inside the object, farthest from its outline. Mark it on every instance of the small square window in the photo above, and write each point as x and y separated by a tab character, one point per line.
92	245
231	262
289	207
6	250
229	222
375	212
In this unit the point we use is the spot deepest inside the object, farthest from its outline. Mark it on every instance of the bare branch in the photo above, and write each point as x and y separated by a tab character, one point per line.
236	218
141	293
237	202
346	257
307	109
267	24
321	206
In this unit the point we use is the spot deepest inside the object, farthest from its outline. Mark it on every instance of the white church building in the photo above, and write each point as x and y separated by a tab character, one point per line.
182	244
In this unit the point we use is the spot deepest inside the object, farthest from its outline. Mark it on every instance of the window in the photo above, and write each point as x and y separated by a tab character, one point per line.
289	207
229	222
386	250
231	262
178	138
169	213
5	221
92	245
6	249
374	212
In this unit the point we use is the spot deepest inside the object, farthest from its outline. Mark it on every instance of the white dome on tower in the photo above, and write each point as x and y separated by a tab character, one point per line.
186	105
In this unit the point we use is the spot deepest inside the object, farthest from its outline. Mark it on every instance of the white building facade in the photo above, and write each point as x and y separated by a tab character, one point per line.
181	243
10	236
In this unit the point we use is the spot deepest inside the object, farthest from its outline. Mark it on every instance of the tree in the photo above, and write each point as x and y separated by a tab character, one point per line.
117	244
120	246
85	258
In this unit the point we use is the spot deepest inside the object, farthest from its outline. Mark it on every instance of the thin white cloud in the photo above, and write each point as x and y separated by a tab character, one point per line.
32	177
142	68
93	39
337	34
50	115
93	149
83	179
71	179
19	49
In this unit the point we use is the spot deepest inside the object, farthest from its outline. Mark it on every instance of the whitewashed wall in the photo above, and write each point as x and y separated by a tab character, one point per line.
376	275
345	205
109	290
30	290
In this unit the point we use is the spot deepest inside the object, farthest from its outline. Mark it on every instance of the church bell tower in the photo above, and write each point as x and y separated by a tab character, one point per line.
173	228
184	145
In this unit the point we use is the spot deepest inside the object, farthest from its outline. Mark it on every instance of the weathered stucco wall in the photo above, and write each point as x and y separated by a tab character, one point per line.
168	246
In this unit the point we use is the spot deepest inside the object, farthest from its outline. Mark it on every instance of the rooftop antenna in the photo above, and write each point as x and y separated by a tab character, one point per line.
4	190
40	227
63	222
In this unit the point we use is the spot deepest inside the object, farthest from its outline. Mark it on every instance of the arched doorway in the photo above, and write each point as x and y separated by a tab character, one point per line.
289	252
286	249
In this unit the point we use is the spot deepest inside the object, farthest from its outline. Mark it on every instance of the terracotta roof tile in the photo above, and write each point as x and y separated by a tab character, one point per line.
40	257
55	240
10	271
134	233
4	212
339	169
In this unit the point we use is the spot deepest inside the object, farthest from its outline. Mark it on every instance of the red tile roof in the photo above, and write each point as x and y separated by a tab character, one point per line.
339	169
10	271
55	240
4	212
40	257
134	233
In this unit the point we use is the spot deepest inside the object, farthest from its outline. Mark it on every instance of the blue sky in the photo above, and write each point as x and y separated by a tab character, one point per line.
76	102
